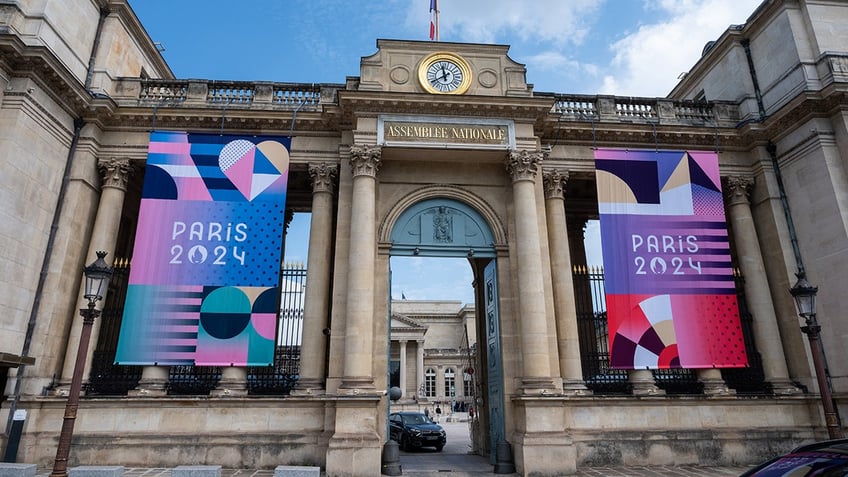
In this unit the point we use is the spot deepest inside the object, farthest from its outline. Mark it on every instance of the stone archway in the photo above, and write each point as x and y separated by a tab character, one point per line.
440	226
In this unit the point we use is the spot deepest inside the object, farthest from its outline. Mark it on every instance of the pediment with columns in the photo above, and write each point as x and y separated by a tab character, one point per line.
406	328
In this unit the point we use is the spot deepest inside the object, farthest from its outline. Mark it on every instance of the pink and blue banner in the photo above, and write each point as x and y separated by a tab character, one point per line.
670	288
204	282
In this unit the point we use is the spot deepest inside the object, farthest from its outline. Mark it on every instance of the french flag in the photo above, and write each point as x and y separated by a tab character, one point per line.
434	20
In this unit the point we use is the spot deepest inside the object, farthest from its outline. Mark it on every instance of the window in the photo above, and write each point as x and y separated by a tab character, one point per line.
430	383
468	383
450	382
394	373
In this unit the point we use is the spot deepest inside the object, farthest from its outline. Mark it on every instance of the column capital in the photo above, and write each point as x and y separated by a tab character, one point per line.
522	165
738	188
555	181
365	160
323	177
114	172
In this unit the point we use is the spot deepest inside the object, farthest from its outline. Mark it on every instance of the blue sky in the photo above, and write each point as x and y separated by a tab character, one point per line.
621	47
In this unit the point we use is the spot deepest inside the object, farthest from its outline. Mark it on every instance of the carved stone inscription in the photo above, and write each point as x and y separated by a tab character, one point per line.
454	133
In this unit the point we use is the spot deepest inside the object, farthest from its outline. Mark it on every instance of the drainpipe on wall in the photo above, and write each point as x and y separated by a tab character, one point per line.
771	148
54	227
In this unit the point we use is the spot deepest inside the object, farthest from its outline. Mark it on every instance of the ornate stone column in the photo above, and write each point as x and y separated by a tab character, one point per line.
403	367
537	377
419	368
317	299
104	235
564	306
365	161
757	294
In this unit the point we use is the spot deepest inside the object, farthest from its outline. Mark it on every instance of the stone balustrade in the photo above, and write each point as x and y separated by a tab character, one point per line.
310	97
236	94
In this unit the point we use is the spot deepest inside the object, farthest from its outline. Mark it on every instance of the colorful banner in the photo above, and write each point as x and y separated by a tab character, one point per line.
670	289
204	281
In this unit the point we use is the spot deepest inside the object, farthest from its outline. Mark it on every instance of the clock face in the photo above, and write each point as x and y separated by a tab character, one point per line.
444	73
444	76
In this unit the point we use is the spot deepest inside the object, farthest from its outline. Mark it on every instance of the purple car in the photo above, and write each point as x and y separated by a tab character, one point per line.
822	459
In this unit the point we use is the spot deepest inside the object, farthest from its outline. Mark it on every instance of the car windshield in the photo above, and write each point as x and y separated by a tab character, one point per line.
416	419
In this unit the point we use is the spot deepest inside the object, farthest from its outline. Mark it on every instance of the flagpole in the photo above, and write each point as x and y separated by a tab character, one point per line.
437	20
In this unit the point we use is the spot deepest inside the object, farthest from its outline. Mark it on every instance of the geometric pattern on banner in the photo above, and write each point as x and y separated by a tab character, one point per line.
670	290
204	281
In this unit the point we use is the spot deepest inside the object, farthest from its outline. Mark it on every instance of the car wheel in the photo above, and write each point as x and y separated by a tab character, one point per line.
404	443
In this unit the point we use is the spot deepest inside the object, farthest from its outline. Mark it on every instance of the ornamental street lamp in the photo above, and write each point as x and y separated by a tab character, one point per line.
805	299
97	277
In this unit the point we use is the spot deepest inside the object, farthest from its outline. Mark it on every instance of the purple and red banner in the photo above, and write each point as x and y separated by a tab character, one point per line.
670	289
204	282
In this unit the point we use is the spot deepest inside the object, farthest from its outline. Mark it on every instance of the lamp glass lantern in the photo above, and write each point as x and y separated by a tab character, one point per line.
97	277
805	296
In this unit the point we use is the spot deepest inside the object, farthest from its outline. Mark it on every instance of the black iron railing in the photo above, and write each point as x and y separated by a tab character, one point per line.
750	380
593	333
105	377
109	379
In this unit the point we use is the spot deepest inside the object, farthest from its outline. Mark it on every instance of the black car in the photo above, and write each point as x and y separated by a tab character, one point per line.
828	458
415	430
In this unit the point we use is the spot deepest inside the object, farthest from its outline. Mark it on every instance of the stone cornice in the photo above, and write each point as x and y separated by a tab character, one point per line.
39	63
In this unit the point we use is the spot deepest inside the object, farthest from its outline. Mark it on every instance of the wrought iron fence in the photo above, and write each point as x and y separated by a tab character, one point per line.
192	380
109	379
751	380
589	296
280	378
593	333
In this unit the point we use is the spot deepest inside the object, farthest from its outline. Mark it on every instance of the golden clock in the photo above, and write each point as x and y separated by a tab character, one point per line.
444	73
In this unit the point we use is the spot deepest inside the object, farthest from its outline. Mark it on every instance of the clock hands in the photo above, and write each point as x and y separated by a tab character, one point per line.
443	78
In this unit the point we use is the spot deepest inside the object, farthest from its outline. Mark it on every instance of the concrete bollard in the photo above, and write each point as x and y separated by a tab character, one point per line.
97	471
296	471
196	471
8	469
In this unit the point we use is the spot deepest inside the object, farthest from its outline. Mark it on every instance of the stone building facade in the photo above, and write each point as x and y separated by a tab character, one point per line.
81	86
433	348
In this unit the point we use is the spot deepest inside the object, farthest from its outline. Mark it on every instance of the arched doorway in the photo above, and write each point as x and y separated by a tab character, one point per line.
447	227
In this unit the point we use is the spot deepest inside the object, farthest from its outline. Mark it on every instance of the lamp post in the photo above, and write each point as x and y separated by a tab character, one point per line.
96	281
805	299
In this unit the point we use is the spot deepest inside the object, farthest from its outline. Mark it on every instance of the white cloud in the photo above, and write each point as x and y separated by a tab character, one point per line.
648	61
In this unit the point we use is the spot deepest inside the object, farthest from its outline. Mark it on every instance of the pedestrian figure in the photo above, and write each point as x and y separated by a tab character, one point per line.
427	412
438	413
